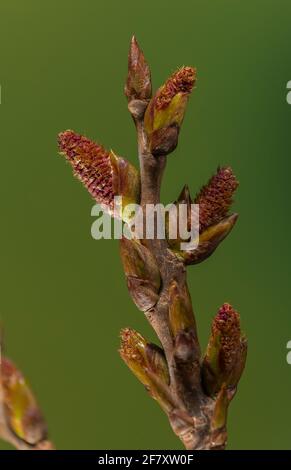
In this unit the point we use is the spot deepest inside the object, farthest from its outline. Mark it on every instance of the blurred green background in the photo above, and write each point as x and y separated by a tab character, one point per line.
63	295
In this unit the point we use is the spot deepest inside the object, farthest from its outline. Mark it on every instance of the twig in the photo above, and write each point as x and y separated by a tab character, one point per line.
193	391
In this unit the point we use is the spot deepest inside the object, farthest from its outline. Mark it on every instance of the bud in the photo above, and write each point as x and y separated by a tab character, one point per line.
142	273
157	362
21	410
226	352
214	202
133	353
138	88
148	364
209	240
183	328
241	360
181	317
218	421
104	174
184	198
220	409
186	347
165	112
215	198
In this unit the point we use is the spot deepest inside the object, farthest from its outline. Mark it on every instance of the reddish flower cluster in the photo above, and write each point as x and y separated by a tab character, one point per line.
215	198
227	319
91	164
182	81
226	324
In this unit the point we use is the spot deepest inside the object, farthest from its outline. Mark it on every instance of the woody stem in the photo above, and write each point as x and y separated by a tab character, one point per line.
171	269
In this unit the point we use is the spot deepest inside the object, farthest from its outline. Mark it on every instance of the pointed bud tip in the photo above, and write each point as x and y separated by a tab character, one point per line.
134	52
223	227
138	84
133	41
233	217
185	194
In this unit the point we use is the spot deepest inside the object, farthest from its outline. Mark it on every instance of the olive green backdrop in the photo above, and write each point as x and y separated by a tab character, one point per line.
63	297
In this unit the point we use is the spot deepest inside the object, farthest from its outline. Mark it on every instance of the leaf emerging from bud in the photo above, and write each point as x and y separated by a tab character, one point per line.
226	352
142	273
220	410
165	112
209	240
104	174
218	422
21	410
215	198
181	317
186	352
157	362
138	84
183	199
148	363
133	353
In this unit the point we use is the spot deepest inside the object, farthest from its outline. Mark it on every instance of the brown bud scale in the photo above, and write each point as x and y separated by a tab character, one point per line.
138	85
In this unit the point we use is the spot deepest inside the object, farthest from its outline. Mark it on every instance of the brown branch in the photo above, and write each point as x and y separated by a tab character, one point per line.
193	414
188	393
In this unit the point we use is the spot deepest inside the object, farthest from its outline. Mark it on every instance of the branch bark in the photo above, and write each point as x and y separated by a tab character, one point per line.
191	420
